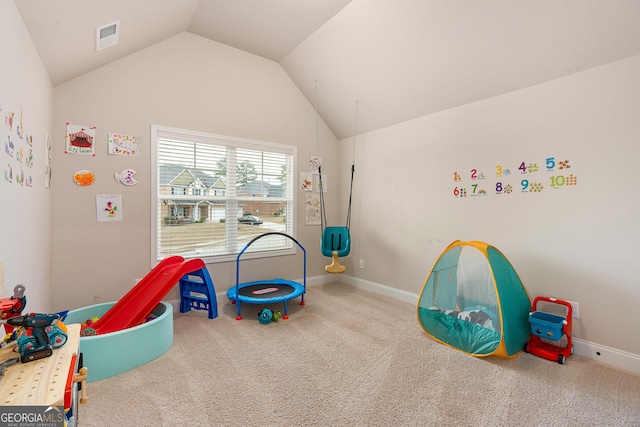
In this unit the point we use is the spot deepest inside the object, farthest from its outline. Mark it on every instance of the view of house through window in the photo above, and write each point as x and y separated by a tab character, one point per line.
213	194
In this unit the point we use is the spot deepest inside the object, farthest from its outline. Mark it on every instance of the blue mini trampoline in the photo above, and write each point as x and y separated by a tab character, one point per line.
267	291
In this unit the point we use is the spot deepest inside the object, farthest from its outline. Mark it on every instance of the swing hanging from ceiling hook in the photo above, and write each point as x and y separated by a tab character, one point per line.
336	241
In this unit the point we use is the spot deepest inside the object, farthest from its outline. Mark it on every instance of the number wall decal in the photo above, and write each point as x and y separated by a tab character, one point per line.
522	167
504	183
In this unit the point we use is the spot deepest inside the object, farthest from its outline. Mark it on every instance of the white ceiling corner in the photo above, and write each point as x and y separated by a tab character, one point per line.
399	59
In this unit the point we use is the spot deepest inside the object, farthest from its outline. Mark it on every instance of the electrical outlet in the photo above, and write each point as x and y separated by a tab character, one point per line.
361	263
575	309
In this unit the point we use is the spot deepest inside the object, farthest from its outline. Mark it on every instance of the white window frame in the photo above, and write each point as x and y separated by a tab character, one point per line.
158	131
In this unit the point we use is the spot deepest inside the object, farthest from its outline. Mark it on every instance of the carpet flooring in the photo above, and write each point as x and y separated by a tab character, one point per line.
350	358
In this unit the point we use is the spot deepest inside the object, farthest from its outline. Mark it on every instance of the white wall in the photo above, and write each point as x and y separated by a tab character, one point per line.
186	82
25	215
575	243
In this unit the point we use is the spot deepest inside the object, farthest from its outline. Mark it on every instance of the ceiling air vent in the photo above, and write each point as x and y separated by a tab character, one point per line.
107	35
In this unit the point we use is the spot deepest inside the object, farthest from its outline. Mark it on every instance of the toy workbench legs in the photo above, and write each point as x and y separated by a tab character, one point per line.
197	292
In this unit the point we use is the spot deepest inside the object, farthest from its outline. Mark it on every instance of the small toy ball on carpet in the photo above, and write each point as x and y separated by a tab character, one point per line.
265	316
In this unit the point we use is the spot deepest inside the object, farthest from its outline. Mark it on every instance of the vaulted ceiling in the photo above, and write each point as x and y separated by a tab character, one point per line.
395	59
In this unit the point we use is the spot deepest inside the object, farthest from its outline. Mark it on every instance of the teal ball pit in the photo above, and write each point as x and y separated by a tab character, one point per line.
117	352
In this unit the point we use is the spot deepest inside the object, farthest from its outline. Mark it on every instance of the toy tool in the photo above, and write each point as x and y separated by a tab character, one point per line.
34	343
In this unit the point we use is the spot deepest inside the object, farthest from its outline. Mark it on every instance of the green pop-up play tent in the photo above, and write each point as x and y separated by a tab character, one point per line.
474	301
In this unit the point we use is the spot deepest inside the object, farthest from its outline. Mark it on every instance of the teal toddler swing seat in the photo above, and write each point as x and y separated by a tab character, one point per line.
335	241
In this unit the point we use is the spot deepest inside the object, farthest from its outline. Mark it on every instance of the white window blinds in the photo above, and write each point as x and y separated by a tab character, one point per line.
213	194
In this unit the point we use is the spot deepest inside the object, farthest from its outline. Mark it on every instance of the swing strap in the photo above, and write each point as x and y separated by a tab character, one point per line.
353	169
323	214
333	244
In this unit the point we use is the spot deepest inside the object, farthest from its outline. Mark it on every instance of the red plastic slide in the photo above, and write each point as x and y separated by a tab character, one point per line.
137	304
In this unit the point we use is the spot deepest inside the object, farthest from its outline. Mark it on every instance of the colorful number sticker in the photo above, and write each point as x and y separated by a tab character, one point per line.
523	168
551	163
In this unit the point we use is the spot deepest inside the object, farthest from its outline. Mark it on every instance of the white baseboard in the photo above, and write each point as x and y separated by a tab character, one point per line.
600	353
607	355
385	290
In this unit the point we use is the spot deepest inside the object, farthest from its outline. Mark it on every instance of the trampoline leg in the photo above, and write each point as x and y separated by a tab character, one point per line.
238	304
285	316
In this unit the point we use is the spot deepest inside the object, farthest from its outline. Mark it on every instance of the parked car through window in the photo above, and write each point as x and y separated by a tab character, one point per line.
250	219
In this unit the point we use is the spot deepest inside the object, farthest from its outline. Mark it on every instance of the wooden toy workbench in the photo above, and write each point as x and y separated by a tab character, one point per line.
48	381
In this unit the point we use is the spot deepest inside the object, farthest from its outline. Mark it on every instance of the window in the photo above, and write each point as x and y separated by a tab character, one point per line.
204	183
